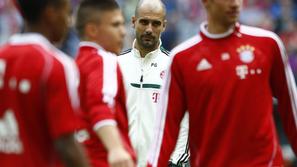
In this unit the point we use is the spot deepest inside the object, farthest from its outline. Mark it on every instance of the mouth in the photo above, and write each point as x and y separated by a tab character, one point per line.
233	13
147	38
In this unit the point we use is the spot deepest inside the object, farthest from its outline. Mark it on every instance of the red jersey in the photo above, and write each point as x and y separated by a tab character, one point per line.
102	99
226	82
38	96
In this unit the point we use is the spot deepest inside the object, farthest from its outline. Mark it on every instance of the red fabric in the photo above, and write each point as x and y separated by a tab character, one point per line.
40	115
231	122
95	109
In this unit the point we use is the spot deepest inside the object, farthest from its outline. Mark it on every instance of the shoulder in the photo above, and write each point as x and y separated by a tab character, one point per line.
259	32
107	57
126	52
186	45
65	60
164	51
125	56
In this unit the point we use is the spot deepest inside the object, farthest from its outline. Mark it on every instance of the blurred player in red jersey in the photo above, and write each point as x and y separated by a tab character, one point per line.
101	28
226	76
38	91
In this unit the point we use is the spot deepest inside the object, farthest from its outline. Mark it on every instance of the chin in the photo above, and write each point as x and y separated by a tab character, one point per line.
58	39
116	51
231	22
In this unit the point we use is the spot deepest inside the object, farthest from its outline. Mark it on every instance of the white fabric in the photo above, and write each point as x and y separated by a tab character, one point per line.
141	100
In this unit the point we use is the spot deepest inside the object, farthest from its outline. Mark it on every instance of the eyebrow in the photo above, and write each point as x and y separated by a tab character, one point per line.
150	20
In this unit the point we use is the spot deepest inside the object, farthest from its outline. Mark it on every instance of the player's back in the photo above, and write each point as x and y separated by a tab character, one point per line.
26	135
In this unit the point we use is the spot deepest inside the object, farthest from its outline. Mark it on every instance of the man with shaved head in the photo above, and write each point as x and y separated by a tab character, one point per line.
143	69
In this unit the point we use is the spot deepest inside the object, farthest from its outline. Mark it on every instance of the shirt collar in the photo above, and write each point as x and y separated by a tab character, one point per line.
204	31
151	54
95	48
31	38
90	44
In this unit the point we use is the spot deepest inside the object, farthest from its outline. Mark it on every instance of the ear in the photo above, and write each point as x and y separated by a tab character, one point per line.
133	20
91	30
48	15
164	25
204	2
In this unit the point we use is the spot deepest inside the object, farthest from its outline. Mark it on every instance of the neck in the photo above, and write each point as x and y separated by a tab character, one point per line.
35	28
87	39
215	27
144	51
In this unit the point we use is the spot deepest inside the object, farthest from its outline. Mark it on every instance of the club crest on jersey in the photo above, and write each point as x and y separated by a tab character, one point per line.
162	74
246	53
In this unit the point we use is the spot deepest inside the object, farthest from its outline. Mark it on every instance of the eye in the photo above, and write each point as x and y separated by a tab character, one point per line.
116	24
157	23
144	22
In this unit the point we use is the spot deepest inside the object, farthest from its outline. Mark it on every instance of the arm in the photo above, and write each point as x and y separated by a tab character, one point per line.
172	108
117	155
284	89
61	105
71	152
181	152
102	88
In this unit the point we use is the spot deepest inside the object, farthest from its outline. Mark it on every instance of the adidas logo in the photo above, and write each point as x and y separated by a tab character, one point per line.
204	65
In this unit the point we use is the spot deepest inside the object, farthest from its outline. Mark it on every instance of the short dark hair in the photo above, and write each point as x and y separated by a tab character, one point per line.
86	10
31	10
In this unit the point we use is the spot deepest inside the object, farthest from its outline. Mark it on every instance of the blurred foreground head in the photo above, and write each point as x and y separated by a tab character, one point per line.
48	17
102	22
224	12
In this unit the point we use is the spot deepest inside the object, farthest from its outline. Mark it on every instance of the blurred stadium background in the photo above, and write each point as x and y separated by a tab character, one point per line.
184	17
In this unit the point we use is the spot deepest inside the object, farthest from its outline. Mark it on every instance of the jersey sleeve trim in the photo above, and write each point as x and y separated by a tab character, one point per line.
107	122
72	77
110	83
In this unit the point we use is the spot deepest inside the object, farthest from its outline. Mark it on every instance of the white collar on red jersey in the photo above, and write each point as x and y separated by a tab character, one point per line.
31	38
203	29
96	46
90	44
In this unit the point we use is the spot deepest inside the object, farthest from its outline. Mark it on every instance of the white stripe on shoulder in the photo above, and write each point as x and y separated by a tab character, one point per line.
186	45
259	32
288	71
71	76
110	81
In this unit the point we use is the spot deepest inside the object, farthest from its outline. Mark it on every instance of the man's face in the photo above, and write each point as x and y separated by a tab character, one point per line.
224	11
60	20
111	31
149	24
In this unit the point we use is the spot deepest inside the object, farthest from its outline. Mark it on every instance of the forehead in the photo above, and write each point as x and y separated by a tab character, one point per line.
110	15
64	3
150	13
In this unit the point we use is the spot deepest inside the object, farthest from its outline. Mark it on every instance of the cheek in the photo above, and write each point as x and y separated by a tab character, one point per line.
158	31
140	30
63	22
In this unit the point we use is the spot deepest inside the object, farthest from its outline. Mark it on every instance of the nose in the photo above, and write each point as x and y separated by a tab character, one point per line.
236	3
123	31
149	29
